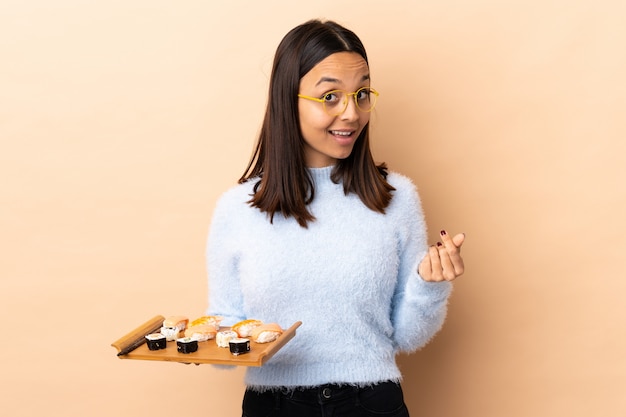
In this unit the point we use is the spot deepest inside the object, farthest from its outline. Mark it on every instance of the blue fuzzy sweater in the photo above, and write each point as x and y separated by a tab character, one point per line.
350	277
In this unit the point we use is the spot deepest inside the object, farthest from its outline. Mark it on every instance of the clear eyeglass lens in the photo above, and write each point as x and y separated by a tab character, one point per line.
336	102
365	99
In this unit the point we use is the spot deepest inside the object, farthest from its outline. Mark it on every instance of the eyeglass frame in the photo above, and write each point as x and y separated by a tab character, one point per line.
345	105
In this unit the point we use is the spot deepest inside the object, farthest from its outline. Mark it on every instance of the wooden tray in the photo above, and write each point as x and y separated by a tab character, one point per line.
133	346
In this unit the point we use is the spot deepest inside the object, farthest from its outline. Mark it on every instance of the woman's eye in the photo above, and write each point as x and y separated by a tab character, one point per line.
331	97
363	94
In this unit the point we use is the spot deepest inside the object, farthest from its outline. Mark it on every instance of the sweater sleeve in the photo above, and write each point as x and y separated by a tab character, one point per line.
225	297
418	307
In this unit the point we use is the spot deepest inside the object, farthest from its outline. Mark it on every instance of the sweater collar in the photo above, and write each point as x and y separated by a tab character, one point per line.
321	175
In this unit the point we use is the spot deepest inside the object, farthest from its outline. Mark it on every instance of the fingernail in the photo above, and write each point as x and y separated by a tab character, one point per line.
443	233
439	244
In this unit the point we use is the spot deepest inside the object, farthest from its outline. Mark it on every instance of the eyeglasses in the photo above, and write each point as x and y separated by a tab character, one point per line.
335	102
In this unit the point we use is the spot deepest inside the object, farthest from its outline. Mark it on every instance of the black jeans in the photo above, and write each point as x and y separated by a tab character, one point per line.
380	400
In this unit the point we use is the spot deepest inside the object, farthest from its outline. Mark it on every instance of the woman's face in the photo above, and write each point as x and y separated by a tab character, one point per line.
329	138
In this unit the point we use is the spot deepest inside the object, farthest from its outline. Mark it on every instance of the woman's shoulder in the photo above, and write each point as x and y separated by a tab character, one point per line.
237	194
401	182
405	194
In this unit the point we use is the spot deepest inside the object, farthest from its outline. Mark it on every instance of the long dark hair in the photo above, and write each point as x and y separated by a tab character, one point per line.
285	185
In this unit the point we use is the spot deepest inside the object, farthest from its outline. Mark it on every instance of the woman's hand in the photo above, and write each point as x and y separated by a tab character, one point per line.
443	261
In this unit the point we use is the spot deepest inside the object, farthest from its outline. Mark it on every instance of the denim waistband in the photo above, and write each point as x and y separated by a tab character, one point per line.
326	392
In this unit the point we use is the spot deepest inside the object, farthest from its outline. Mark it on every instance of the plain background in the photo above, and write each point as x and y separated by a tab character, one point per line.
121	122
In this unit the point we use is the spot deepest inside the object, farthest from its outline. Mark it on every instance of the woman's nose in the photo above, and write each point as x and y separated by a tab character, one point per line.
351	112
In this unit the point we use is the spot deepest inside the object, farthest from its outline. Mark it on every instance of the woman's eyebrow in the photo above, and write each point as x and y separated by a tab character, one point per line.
336	81
328	80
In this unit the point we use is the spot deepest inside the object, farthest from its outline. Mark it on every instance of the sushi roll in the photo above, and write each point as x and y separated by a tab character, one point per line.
224	337
174	326
156	341
239	346
187	345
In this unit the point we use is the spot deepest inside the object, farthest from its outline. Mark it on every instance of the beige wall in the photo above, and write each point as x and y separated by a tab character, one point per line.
122	121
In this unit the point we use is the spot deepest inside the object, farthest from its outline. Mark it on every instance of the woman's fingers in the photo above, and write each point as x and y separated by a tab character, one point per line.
458	239
425	267
452	248
443	261
447	267
436	273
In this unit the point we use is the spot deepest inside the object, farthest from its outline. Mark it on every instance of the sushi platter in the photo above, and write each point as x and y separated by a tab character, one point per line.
133	346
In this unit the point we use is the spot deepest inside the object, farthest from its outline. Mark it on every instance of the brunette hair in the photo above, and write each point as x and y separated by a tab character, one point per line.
285	186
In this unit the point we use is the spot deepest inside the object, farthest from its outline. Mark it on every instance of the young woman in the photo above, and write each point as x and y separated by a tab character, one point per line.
316	232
